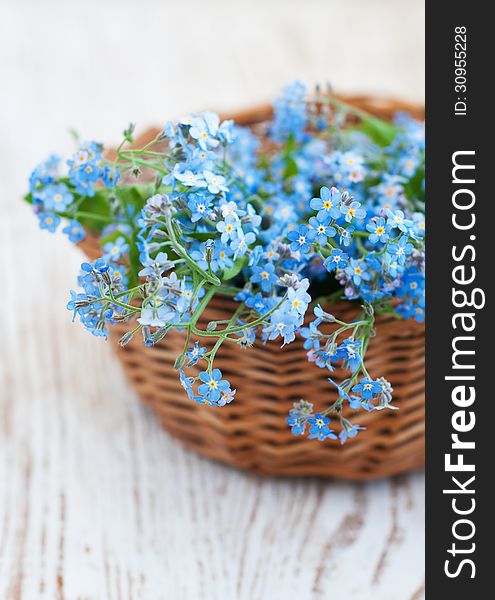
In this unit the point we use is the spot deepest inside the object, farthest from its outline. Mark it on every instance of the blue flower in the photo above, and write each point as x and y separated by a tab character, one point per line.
367	388
214	255
226	397
391	266
201	130
57	197
194	354
85	168
349	431
242	242
100	266
322	229
319	428
297	422
44	173
186	383
212	385
391	190
190	179
321	315
349	352
301	238
312	336
228	228
290	113
109	176
397	220
199	206
357	271
379	230
336	260
77	302
400	251
74	231
115	250
324	359
49	221
265	276
345	236
298	298
419	225
284	324
157	313
155	267
328	204
215	183
352	210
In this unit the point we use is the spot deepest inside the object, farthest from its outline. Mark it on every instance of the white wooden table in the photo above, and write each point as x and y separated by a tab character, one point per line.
96	501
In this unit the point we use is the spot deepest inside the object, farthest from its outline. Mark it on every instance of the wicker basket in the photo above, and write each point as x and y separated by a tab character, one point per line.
251	433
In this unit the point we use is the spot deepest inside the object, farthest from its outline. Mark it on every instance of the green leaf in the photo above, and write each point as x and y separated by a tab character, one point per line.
290	167
235	269
133	195
97	205
379	131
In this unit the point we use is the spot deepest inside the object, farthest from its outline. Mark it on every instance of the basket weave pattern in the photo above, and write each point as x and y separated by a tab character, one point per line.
251	433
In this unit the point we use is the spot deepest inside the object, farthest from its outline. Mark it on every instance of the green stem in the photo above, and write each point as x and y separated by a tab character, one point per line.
228	330
181	251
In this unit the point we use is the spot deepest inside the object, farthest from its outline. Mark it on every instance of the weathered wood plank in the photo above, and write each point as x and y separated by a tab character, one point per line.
96	502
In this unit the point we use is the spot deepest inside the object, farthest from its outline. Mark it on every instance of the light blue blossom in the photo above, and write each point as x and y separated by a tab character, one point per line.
397	220
297	422
113	251
357	270
199	206
49	221
352	210
400	250
74	231
379	230
215	183
301	239
328	204
228	228
264	275
213	384
323	229
337	260
319	428
194	354
298	298
57	197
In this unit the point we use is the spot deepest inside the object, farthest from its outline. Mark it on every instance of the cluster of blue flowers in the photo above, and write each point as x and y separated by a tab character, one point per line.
264	215
102	296
56	199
